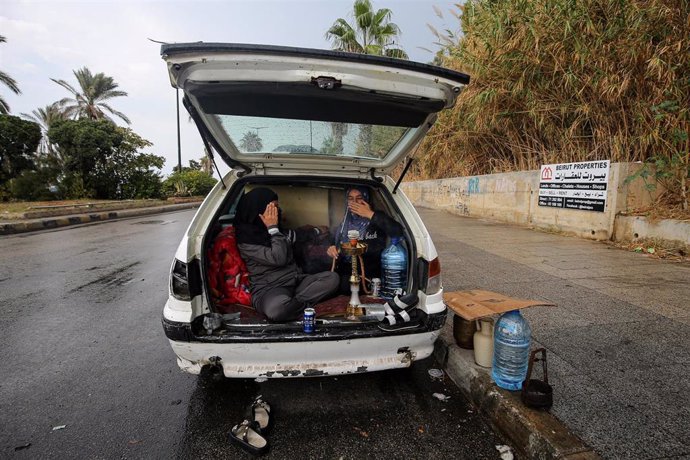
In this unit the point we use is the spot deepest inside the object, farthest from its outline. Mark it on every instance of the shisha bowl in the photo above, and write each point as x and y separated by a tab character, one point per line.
350	250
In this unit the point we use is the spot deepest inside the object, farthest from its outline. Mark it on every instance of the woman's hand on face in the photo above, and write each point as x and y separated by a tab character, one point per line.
332	251
361	208
270	215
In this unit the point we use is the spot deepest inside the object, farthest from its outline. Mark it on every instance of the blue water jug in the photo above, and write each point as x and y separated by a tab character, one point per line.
512	336
393	269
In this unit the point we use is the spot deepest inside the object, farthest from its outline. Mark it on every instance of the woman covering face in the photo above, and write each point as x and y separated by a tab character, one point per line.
374	228
279	289
248	217
358	214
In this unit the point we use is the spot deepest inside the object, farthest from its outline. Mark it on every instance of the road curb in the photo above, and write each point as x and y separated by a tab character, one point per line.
535	434
24	226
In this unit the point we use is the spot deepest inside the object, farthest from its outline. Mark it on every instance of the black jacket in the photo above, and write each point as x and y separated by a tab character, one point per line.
270	266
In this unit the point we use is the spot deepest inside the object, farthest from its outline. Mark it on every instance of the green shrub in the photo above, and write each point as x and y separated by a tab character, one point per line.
19	140
33	186
188	183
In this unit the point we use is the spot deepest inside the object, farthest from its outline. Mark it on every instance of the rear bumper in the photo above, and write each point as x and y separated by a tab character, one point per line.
331	352
305	359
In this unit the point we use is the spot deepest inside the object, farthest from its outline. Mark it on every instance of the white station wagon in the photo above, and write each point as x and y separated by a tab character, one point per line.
308	124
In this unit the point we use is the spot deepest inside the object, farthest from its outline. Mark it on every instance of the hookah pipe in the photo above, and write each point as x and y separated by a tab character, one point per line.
353	244
364	279
361	265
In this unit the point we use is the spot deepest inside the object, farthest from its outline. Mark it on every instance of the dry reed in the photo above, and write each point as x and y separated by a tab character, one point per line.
557	81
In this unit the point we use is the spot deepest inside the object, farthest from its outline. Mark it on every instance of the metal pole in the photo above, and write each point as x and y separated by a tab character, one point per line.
179	147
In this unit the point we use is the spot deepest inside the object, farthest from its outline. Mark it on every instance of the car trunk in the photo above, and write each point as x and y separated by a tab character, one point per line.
311	207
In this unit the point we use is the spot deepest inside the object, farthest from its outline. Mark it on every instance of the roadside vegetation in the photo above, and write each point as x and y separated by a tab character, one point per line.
73	149
556	81
13	210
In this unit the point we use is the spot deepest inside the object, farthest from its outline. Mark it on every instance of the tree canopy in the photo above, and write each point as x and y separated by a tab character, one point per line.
18	142
46	117
251	142
89	101
371	32
102	160
10	83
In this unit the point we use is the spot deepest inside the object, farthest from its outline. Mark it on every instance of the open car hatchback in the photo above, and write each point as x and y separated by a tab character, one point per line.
308	124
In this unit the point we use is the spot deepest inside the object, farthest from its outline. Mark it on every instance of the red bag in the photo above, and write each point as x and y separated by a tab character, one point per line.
228	276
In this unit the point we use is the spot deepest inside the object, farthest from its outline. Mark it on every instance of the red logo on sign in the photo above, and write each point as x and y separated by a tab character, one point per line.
546	174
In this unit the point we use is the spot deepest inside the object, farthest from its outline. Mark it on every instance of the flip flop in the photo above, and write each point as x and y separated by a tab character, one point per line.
247	435
400	321
260	412
401	304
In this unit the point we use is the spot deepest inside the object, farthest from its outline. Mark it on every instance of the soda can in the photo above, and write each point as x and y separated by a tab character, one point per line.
375	287
309	320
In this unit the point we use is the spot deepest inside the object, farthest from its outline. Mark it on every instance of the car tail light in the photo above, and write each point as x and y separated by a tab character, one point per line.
185	280
429	275
433	283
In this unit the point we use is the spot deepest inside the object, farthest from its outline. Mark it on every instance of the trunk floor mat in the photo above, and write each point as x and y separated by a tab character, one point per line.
330	308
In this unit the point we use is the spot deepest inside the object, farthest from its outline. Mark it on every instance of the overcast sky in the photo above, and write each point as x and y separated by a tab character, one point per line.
52	38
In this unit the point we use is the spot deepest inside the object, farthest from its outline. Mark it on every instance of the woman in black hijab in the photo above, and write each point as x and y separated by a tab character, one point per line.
279	289
374	228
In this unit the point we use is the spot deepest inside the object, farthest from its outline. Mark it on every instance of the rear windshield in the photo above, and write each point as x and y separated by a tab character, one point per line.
262	135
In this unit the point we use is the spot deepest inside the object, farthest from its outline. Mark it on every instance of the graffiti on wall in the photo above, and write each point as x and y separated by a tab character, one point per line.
462	209
453	194
505	186
473	186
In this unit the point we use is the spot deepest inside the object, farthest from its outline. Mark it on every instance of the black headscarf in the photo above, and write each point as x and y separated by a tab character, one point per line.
250	227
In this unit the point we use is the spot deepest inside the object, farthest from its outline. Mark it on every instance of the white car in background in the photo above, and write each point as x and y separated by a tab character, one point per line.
294	97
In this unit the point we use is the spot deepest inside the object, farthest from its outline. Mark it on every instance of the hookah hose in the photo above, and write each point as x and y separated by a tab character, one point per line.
364	278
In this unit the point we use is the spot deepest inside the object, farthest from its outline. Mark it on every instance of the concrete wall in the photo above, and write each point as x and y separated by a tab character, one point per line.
631	228
513	197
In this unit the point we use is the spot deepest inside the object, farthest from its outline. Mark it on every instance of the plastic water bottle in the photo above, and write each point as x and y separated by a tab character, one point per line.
512	336
394	269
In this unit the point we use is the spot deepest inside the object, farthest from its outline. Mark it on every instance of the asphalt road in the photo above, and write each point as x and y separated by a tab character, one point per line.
86	371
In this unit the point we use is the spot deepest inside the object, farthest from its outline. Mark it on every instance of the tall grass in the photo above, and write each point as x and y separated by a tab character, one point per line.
563	81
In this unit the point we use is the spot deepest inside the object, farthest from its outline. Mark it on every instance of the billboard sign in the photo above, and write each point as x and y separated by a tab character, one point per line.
581	186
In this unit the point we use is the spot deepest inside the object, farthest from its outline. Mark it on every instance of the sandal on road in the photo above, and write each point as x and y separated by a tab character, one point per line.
247	435
260	412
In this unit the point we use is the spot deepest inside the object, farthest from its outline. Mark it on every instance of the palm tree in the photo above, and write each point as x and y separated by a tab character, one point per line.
10	83
46	117
251	142
90	102
206	164
338	131
371	33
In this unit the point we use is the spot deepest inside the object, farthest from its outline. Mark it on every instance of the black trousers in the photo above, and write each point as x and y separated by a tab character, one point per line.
288	303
